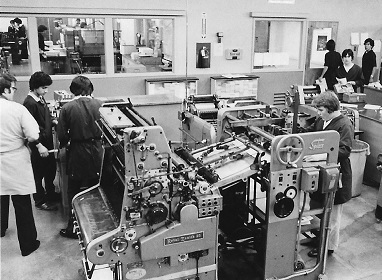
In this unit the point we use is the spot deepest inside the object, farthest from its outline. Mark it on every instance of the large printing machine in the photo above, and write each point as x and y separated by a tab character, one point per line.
162	212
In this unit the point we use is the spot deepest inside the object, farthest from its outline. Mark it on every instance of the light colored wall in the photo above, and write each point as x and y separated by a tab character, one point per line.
230	17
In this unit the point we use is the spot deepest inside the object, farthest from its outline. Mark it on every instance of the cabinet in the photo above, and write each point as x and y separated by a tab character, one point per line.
177	86
231	86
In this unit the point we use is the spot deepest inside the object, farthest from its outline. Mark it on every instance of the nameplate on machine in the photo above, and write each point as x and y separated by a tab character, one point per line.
183	238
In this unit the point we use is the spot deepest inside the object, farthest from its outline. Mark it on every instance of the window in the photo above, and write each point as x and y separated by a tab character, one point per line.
14	47
277	43
142	45
71	45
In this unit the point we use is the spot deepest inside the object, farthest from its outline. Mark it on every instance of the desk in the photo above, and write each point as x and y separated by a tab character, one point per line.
373	95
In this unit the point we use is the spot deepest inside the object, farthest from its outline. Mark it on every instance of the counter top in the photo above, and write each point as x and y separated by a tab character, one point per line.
375	115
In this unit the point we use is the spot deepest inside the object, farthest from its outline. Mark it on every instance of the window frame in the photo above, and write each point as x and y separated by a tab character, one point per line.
108	16
302	18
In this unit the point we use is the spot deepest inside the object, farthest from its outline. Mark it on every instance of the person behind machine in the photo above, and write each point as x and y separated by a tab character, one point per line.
43	162
369	62
17	126
331	118
21	35
332	62
77	129
41	41
349	70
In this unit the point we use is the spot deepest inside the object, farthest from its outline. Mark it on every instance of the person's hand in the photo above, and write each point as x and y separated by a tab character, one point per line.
351	83
42	150
320	79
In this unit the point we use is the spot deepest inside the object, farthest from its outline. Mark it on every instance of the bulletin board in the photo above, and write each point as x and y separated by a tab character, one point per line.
319	32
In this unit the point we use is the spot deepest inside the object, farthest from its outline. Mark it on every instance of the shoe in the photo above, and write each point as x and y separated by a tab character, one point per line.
45	206
37	245
3	233
314	253
68	234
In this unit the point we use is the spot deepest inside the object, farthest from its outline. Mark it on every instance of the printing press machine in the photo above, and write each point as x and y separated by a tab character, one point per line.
159	213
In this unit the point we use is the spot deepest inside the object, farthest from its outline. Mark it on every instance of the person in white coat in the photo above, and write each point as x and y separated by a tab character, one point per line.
16	176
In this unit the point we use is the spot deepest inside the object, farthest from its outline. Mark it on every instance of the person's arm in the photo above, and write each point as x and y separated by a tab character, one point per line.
32	132
346	139
323	73
372	74
63	129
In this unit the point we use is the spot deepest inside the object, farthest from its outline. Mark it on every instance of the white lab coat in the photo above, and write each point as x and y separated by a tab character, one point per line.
16	125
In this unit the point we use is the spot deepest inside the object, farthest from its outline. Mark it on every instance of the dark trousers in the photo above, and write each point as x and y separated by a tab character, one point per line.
43	169
75	187
26	228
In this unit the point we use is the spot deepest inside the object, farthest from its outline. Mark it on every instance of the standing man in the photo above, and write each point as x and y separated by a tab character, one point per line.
369	62
77	129
44	164
17	126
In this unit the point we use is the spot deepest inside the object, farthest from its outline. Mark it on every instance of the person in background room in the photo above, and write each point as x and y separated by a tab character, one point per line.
369	62
331	118
332	62
77	129
21	35
349	70
41	41
17	126
11	27
43	161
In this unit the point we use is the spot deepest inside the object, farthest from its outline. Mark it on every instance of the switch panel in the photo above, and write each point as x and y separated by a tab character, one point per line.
309	179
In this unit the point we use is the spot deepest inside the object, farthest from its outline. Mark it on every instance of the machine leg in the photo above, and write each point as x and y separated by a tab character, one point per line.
117	272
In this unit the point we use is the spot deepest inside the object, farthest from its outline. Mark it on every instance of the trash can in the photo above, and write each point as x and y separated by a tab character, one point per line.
360	150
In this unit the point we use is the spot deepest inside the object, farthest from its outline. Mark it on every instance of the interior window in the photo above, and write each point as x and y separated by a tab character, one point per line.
277	44
71	45
142	45
14	47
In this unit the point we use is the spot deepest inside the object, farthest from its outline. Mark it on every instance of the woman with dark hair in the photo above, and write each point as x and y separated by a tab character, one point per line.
332	62
369	62
350	71
41	44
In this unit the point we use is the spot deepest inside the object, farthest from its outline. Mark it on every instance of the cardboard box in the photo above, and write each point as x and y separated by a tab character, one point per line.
354	97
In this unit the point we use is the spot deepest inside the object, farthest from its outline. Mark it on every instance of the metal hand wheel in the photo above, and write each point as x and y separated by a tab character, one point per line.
289	150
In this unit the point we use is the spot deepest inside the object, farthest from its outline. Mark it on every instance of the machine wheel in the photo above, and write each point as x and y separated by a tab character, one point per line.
289	149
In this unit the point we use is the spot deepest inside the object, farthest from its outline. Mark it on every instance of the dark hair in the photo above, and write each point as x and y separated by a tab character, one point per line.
39	79
369	40
348	52
81	85
41	28
11	21
327	99
6	81
330	45
17	20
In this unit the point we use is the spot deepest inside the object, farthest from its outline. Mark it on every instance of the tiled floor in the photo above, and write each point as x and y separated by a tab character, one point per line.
358	257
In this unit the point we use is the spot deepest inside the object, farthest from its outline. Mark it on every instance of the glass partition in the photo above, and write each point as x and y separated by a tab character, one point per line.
142	45
71	45
14	47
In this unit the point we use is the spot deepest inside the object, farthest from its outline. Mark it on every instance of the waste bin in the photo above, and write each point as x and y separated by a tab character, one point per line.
360	150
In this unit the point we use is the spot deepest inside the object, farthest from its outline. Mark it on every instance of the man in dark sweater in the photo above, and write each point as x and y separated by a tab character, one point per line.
43	163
